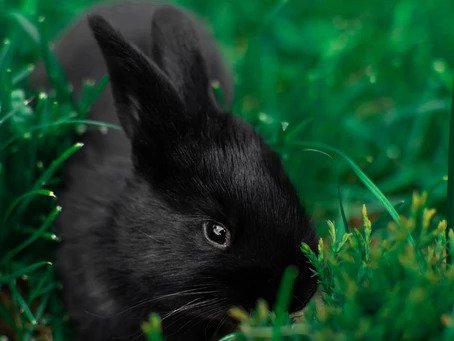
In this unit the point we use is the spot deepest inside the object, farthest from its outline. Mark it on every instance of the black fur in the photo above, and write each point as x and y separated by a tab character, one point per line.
133	207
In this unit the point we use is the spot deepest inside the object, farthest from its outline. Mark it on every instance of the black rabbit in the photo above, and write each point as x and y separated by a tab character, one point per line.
186	212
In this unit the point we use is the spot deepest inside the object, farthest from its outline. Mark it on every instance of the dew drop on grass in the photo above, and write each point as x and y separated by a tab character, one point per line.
393	152
284	125
265	118
439	66
215	84
90	82
104	130
371	75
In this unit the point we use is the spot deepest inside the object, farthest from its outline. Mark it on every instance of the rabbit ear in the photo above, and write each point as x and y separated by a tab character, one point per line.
145	99
177	50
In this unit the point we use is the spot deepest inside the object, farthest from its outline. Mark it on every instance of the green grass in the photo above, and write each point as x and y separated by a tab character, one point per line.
355	97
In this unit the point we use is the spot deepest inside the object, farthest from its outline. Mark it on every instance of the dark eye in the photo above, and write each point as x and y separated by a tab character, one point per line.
216	234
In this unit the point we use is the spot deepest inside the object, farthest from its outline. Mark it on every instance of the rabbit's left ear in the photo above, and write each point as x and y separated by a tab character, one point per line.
147	102
177	50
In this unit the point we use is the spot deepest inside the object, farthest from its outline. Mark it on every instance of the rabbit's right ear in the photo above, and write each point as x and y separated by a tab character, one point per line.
146	101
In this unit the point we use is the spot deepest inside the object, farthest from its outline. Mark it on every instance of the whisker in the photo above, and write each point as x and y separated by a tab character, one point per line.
159	298
188	306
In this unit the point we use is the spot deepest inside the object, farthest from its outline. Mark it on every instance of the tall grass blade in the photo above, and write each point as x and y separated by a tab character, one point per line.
284	298
43	192
49	172
25	308
26	25
23	271
38	233
359	173
450	193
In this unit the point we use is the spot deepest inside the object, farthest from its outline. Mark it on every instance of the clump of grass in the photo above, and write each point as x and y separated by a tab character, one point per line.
382	286
36	138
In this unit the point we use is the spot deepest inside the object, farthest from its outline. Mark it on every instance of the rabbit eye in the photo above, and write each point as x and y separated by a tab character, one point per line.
216	234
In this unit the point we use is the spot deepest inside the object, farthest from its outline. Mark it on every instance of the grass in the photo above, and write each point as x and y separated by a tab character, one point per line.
355	98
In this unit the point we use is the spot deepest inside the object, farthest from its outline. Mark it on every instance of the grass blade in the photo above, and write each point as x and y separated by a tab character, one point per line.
153	328
91	92
359	173
26	25
22	74
450	190
23	271
283	300
230	337
38	233
24	307
50	171
43	192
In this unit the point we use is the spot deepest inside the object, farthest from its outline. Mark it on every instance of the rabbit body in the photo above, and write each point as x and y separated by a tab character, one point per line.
137	202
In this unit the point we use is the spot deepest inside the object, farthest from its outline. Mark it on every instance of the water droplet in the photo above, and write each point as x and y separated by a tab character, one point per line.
439	66
284	125
215	84
90	82
393	152
265	118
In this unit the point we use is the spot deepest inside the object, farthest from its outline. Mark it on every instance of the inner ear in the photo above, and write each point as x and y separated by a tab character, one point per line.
177	50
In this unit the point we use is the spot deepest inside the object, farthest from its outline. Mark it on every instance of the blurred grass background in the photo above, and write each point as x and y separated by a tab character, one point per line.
372	79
